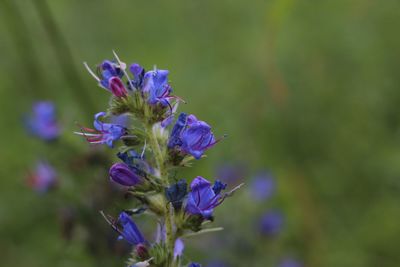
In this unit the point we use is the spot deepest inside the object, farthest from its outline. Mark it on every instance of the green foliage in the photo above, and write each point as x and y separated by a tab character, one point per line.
307	89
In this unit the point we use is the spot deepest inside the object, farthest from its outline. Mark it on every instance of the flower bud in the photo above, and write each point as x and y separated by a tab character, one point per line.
117	87
122	174
176	193
141	251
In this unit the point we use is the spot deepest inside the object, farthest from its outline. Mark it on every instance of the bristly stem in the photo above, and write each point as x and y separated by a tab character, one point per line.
158	154
163	175
170	239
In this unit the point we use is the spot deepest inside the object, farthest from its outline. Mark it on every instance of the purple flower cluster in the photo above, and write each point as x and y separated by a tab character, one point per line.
149	154
152	84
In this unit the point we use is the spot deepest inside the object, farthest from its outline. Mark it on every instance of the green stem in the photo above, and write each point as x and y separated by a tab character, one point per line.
159	155
170	237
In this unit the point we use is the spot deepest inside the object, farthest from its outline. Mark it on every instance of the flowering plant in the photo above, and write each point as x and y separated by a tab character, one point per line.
150	149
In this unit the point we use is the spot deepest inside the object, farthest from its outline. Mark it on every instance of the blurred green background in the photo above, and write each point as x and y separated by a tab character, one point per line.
306	89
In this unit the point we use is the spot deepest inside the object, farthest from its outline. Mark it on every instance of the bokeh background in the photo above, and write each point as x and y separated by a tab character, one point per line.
307	91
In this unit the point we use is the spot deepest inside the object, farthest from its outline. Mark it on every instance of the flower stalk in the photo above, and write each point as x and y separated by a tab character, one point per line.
150	149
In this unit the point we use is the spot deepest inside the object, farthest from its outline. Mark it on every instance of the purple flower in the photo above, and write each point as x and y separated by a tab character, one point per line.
122	174
43	178
128	230
271	223
289	262
194	264
262	186
138	74
196	137
111	78
202	199
191	135
179	247
105	133
155	85
108	70
42	122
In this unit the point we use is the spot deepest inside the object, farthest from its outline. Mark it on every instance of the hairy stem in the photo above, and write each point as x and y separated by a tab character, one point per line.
160	159
158	154
170	237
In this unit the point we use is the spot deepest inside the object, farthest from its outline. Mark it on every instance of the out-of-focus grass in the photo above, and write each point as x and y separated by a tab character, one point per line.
308	89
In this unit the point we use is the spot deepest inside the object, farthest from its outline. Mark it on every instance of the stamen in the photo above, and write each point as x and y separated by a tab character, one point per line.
111	221
91	72
86	134
123	69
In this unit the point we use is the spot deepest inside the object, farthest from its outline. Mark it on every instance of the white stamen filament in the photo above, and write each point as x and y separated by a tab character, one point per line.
91	72
122	65
87	134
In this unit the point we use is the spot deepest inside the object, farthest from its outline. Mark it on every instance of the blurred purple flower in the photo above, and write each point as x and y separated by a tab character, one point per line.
217	264
43	178
263	186
104	133
231	173
42	123
202	199
160	233
271	223
179	247
194	264
289	262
